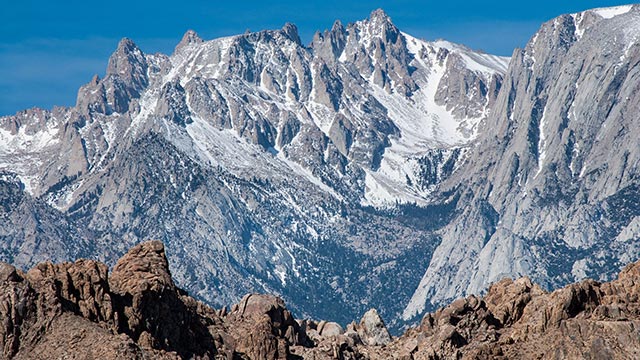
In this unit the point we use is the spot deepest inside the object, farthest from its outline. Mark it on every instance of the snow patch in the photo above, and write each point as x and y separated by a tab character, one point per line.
29	183
32	143
281	272
475	61
577	20
631	231
579	270
611	12
542	141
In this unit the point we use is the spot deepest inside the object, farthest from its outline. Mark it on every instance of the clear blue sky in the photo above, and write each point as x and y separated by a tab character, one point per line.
48	49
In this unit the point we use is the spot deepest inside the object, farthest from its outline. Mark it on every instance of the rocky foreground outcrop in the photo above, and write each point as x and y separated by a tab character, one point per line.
80	311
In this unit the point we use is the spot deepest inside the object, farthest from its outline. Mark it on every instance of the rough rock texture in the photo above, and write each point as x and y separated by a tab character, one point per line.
265	329
518	320
79	311
551	191
154	312
66	311
372	329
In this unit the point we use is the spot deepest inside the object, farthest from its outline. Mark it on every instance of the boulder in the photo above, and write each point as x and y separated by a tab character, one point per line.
372	329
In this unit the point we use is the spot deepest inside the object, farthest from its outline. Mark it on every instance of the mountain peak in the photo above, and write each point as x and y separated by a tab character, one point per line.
379	24
189	38
337	26
128	69
379	15
126	45
291	31
127	53
95	80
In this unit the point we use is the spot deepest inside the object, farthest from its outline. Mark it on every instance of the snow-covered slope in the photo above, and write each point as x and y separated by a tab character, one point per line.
428	120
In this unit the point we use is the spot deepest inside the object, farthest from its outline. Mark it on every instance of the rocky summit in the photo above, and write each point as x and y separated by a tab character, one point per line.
367	168
81	311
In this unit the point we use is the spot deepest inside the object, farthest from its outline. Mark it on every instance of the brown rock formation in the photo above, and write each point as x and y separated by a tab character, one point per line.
74	310
518	320
79	311
264	328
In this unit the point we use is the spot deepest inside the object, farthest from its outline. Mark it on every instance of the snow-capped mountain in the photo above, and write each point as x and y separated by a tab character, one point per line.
264	164
368	168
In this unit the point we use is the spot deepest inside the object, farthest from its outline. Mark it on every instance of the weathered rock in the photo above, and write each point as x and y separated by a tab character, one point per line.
153	311
507	298
265	329
372	329
53	303
75	310
516	319
16	300
71	337
81	287
8	272
143	268
331	329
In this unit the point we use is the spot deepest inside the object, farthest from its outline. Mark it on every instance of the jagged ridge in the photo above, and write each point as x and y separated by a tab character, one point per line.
257	158
78	310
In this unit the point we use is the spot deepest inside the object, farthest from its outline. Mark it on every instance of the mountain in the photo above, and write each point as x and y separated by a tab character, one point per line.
263	164
366	169
553	191
83	310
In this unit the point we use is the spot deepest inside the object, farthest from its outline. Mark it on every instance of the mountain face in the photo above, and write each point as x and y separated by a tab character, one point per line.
367	169
553	191
135	311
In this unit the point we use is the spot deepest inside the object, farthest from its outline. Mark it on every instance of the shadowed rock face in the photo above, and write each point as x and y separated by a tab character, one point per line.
78	310
136	312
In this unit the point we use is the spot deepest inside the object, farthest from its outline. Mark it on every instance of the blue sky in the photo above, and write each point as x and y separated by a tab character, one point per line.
48	49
